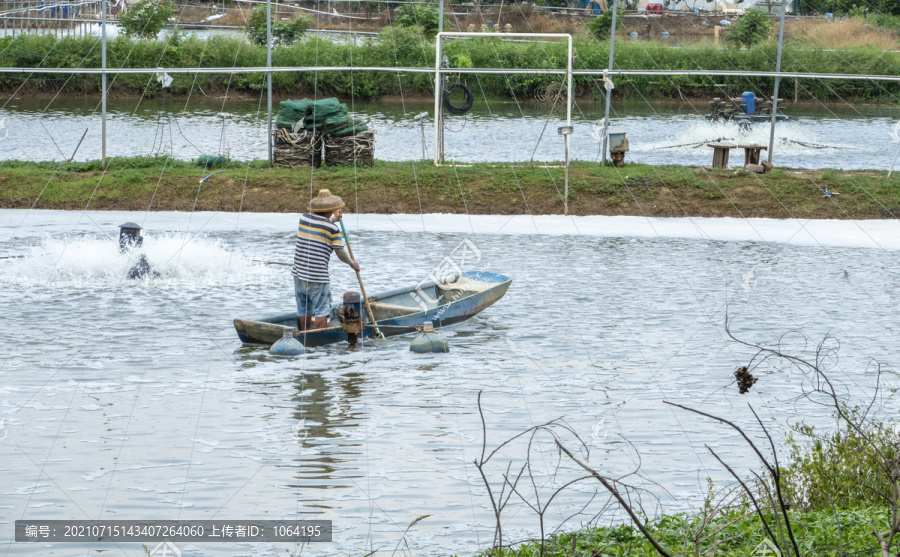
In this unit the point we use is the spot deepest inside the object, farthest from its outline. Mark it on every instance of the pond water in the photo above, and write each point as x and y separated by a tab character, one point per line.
135	400
819	136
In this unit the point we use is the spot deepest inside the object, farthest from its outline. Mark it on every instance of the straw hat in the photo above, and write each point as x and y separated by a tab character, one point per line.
325	201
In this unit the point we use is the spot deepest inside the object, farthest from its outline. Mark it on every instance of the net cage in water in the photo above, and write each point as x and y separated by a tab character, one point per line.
303	148
353	149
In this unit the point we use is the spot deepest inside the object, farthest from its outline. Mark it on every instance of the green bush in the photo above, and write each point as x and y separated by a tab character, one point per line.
405	47
889	22
416	15
283	32
838	469
599	26
146	18
752	28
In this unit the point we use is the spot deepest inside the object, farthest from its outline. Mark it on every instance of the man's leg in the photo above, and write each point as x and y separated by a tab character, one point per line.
321	298
305	306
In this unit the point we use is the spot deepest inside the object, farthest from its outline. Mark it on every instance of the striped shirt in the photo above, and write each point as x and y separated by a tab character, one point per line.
317	237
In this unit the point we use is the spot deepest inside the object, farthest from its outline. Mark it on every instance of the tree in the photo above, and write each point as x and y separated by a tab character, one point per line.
752	28
283	32
146	18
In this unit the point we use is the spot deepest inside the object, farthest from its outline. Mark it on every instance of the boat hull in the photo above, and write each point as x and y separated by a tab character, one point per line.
267	330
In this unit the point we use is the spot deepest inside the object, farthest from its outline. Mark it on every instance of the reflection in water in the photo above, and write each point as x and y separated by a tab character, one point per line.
325	410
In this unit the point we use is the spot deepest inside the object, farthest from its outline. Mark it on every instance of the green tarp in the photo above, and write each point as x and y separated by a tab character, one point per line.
329	116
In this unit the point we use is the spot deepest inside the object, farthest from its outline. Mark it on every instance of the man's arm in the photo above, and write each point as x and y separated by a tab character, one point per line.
345	257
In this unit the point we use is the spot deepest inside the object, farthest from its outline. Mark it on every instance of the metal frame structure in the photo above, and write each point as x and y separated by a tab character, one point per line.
438	85
483	71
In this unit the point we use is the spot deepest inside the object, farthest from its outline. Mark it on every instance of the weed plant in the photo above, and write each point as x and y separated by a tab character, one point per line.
408	47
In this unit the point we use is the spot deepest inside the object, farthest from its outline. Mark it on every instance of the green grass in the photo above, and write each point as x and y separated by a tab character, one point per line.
637	189
738	535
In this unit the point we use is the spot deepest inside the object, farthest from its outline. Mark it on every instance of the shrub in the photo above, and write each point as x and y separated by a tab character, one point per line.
146	18
415	15
752	28
283	32
839	469
599	26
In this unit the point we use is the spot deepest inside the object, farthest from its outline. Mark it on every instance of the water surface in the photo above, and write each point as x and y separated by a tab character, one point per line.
135	400
837	135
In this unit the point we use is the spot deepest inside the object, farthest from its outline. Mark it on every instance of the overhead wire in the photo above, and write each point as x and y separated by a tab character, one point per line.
462	194
710	177
636	201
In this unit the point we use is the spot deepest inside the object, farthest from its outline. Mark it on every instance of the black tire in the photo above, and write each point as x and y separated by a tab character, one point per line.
467	104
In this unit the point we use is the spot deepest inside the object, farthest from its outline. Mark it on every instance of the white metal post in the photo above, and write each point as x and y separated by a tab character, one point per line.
777	79
438	93
568	133
612	48
269	78
439	115
438	119
103	83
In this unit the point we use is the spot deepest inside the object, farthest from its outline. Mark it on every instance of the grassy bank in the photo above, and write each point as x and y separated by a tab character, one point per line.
400	47
410	187
735	532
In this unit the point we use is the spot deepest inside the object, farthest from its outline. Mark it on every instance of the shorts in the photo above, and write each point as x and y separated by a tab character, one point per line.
313	298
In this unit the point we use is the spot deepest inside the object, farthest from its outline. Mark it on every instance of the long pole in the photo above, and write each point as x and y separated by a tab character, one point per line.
440	145
103	83
269	78
438	116
612	48
568	134
894	162
422	129
777	78
359	278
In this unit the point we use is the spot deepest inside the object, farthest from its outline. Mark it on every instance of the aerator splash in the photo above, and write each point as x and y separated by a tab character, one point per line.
743	110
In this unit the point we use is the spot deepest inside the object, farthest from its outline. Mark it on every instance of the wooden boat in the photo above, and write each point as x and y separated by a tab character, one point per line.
396	311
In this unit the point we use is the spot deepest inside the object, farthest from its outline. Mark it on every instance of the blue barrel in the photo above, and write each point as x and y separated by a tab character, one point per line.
748	99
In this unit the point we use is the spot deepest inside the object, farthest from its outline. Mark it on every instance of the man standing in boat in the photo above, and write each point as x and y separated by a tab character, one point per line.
317	237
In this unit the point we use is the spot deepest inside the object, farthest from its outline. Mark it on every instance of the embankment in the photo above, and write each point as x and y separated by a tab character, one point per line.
412	187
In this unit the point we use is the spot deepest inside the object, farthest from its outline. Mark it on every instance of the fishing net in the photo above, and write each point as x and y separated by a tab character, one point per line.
354	149
345	137
211	160
293	111
301	149
353	127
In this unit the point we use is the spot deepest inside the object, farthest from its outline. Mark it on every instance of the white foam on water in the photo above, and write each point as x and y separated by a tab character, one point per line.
93	261
791	139
880	234
206	256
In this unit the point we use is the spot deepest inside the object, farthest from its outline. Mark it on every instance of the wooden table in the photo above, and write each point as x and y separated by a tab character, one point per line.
720	153
751	153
